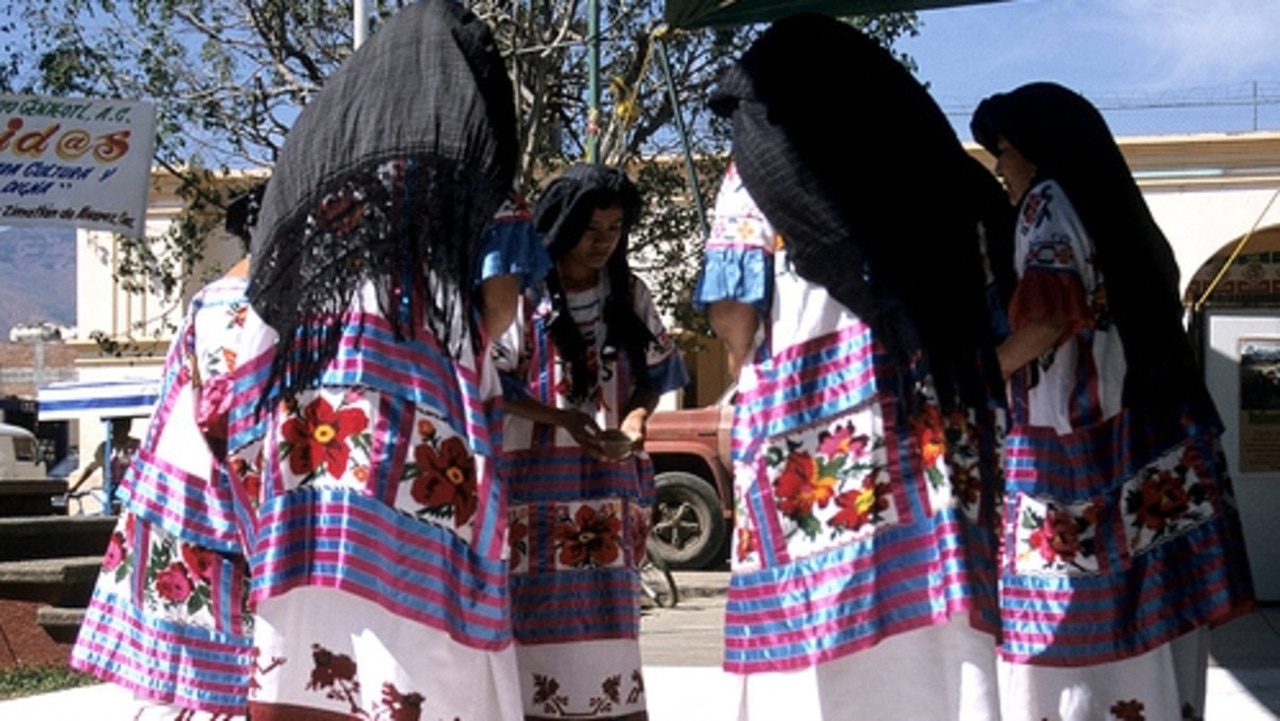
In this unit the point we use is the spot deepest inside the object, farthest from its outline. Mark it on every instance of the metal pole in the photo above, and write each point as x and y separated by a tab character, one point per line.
359	22
593	81
108	489
689	167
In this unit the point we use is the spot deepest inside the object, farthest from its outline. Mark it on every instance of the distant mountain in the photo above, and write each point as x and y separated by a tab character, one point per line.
37	276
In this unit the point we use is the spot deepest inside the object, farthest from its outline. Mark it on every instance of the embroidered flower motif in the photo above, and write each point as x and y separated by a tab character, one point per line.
318	437
930	434
426	429
799	488
640	530
1164	499
332	671
201	562
1130	710
861	506
590	538
250	476
841	442
402	706
1058	537
117	552
517	541
447	479
173	584
746	543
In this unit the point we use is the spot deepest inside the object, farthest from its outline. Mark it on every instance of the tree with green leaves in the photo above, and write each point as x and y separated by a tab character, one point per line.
229	76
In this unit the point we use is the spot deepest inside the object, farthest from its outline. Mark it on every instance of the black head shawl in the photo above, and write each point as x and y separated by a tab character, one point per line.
1067	139
427	96
860	171
561	216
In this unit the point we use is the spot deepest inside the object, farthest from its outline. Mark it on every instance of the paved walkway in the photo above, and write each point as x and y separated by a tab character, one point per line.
685	683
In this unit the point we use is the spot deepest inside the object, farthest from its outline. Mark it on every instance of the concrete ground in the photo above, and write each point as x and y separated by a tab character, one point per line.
681	647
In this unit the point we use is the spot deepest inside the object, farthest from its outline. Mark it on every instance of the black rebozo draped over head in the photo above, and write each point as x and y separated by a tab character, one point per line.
1068	141
561	216
429	91
860	171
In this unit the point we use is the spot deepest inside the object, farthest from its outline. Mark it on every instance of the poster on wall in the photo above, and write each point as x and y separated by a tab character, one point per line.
75	162
1259	404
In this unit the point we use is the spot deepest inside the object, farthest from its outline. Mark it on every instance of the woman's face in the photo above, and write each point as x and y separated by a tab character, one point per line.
1014	170
599	240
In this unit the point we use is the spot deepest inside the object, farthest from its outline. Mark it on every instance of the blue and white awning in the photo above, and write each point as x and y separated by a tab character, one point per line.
132	397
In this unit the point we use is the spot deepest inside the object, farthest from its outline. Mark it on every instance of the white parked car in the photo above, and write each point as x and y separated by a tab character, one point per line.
20	458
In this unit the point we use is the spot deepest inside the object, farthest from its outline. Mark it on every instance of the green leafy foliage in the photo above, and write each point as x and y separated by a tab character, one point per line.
229	76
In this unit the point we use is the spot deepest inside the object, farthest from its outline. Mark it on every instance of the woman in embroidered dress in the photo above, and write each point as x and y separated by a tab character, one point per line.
1122	542
364	429
862	581
583	367
168	617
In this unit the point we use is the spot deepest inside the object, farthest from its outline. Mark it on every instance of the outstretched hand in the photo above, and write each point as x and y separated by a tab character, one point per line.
585	432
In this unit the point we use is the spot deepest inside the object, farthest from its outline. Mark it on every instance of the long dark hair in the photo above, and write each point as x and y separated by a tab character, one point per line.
1067	139
860	171
386	182
561	216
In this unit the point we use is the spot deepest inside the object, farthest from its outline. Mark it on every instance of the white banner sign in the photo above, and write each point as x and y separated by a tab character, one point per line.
72	162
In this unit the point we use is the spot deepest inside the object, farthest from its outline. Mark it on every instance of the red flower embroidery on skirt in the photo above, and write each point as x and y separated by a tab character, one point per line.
1164	499
589	538
117	551
799	489
930	434
860	506
200	561
173	584
448	478
319	437
1058	537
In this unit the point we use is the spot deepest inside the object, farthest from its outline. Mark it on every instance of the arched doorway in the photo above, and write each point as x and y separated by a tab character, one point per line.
1235	302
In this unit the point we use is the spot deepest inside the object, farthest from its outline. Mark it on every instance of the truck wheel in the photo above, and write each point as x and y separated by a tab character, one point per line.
688	527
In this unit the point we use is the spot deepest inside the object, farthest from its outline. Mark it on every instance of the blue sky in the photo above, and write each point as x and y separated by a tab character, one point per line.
1118	53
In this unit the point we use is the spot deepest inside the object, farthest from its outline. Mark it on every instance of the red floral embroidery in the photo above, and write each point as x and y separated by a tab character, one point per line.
1164	499
930	434
1058	537
1128	710
318	437
517	541
860	506
799	490
842	442
200	561
640	541
250	477
746	543
334	673
448	478
117	552
173	584
401	706
590	538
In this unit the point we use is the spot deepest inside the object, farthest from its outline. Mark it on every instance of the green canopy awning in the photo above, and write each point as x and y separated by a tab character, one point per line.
690	14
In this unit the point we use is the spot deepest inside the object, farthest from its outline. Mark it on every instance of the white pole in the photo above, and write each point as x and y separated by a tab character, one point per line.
360	23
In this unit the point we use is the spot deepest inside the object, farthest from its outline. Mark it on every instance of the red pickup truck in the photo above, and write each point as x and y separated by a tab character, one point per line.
693	513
